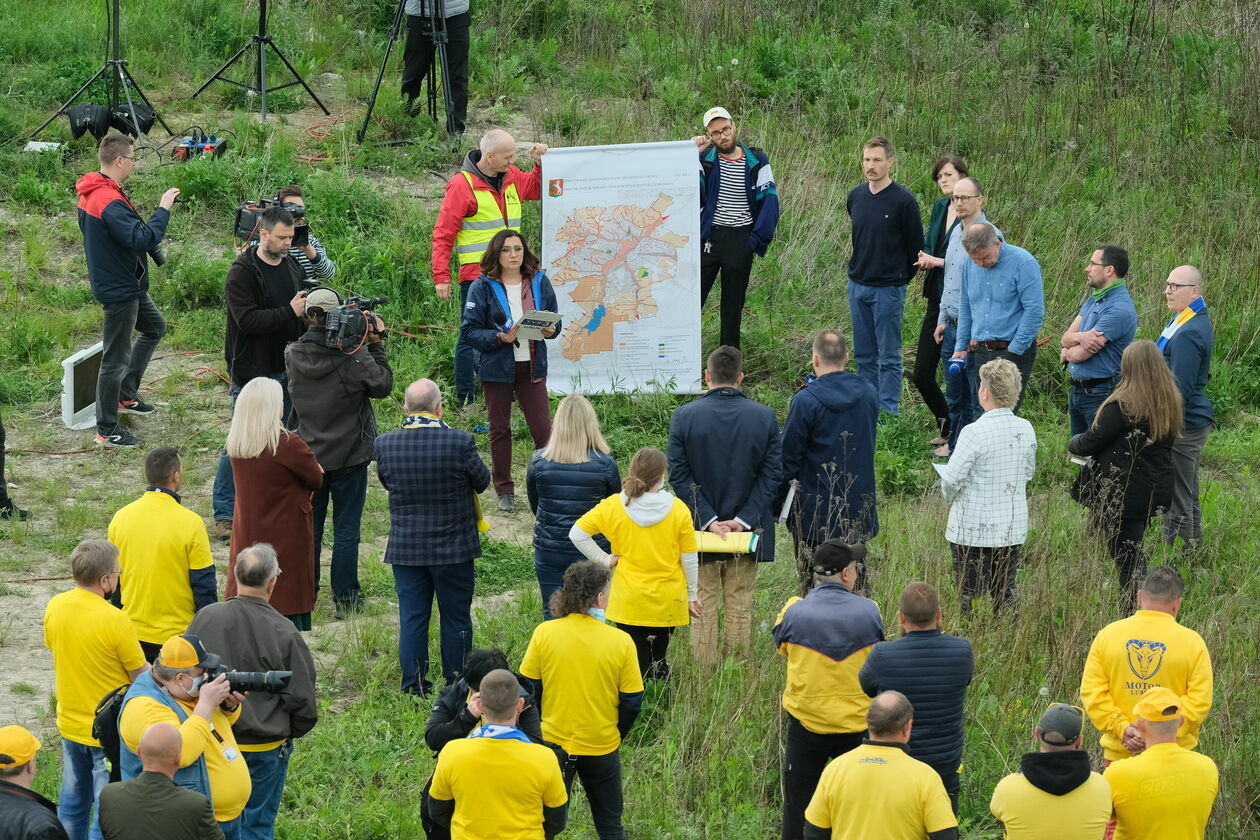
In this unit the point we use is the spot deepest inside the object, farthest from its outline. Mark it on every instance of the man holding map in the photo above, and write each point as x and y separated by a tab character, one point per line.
738	213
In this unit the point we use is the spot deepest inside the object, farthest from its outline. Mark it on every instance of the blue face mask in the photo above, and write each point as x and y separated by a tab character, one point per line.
597	612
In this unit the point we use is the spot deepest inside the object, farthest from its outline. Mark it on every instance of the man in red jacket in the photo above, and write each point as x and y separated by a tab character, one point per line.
483	198
117	244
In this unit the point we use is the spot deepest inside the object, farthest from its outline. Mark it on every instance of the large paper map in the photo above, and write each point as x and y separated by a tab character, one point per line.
621	247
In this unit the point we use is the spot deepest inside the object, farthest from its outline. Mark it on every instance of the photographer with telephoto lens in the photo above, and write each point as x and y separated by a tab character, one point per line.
253	636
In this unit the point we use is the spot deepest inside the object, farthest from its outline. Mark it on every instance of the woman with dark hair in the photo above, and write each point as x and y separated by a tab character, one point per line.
586	679
946	172
1130	477
655	583
511	284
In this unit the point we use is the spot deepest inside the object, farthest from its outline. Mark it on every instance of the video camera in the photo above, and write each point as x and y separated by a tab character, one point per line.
249	217
268	682
347	326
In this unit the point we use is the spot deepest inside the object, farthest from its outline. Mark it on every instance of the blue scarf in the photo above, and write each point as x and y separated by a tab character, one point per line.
1196	307
500	732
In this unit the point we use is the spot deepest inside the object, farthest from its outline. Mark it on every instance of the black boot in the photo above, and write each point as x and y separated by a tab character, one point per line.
8	510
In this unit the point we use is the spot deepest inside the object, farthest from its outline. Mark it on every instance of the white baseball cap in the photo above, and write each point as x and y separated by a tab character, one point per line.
713	113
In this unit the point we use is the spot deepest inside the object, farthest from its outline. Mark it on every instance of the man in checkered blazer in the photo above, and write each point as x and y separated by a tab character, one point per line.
433	474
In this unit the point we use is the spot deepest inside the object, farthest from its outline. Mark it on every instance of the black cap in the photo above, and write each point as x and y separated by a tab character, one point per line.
834	555
1060	725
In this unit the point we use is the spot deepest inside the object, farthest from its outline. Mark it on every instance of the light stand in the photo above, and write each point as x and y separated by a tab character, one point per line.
437	32
118	82
260	42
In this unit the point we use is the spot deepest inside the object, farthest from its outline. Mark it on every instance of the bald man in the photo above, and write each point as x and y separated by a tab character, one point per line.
1187	346
152	805
483	198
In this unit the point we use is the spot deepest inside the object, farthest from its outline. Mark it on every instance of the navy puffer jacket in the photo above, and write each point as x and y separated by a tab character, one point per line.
933	670
560	493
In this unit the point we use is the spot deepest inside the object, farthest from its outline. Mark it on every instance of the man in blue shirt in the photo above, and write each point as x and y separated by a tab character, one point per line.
1187	345
1092	346
1002	307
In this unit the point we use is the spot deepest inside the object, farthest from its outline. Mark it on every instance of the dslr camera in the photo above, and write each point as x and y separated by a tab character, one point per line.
348	325
267	682
249	215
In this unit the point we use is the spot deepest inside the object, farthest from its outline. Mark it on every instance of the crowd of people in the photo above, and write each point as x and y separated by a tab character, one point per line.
158	740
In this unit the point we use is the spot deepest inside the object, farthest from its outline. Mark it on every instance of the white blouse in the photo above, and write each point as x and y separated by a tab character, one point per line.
986	479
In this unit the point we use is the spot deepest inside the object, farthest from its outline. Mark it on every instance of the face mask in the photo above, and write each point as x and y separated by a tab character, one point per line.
196	686
597	613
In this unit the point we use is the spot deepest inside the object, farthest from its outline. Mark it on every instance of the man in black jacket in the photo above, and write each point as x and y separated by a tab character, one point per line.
117	244
251	635
264	314
23	812
933	669
724	463
332	392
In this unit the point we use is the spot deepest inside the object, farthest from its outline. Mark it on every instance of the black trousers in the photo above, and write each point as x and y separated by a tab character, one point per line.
1125	545
151	650
651	644
805	754
418	55
976	360
4	487
926	362
727	251
985	571
952	780
601	779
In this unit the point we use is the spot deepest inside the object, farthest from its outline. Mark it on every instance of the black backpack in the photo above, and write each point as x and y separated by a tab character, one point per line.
105	729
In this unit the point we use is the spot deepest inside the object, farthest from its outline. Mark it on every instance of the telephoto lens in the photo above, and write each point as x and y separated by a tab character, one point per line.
268	682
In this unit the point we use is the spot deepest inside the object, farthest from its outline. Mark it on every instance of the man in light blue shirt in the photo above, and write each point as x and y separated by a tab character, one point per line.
1093	345
1001	309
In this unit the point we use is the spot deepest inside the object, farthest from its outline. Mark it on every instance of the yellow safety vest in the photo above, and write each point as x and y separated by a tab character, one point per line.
478	229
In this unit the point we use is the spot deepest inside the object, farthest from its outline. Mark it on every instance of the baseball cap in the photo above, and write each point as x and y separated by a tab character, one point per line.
1060	725
17	746
187	652
1158	704
712	114
323	299
834	555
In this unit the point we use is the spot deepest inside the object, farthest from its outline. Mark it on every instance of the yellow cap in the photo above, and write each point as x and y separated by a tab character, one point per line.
1158	704
17	746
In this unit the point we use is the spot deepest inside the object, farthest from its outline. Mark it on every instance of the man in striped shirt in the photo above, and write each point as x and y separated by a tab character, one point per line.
738	214
312	258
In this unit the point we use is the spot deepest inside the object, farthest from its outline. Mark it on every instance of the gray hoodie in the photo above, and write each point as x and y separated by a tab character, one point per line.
645	511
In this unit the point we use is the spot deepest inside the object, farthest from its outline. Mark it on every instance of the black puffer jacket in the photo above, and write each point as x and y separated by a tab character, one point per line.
450	720
24	813
933	670
560	493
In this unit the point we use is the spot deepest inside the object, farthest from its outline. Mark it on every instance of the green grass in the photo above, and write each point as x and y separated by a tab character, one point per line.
1089	121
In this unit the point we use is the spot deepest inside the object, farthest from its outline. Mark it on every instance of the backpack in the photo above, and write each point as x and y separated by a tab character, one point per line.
105	729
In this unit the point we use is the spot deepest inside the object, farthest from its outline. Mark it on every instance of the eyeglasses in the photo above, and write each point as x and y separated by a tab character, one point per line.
722	132
131	158
1180	285
1098	264
956	197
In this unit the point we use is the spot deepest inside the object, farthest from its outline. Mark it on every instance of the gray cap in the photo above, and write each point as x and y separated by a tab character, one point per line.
1060	725
323	299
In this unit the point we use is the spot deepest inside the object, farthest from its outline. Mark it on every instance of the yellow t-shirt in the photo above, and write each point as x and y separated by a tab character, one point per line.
584	665
880	791
500	786
1164	793
648	585
1030	813
230	785
159	541
1133	655
93	646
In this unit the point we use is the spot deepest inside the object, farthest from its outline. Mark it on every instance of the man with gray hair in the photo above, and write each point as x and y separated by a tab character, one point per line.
483	198
1001	308
878	790
251	635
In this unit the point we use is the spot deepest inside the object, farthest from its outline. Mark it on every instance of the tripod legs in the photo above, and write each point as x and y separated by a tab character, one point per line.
65	106
380	73
119	79
259	86
128	83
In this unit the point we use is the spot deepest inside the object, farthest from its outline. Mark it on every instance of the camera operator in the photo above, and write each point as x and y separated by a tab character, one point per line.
117	244
264	313
332	392
177	692
306	250
253	636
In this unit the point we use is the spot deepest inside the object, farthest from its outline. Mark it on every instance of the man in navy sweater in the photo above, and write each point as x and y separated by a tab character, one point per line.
933	669
887	239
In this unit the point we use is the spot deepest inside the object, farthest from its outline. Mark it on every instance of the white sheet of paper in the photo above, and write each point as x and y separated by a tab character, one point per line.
533	324
940	468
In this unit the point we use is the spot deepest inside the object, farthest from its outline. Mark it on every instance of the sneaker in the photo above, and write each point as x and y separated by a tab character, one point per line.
507	502
413	107
223	530
135	407
118	437
9	510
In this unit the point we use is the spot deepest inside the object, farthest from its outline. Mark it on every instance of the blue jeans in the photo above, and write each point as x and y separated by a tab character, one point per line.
876	312
231	829
957	388
83	776
550	567
465	358
416	586
123	363
224	493
1083	404
347	488
267	772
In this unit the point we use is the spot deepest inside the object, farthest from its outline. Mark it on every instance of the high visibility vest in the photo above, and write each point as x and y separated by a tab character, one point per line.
478	229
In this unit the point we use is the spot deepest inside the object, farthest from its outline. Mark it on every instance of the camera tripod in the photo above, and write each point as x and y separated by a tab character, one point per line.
119	84
436	17
260	42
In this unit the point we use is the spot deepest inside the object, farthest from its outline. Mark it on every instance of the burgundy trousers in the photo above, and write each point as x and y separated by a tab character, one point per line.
532	397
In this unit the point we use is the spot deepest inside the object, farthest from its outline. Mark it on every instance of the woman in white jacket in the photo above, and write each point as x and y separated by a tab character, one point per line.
986	479
654	558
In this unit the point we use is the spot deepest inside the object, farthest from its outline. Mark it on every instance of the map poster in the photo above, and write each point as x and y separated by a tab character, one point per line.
621	245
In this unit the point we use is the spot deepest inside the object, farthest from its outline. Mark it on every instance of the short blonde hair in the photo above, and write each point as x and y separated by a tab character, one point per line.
1002	379
92	560
575	432
256	421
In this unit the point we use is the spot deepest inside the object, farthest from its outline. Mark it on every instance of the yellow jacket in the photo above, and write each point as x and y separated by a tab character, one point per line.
1130	656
